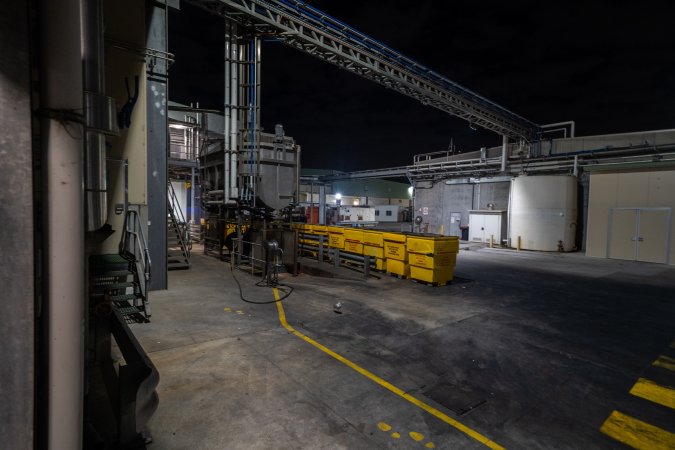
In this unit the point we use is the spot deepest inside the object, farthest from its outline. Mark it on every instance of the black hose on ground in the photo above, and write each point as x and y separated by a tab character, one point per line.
287	290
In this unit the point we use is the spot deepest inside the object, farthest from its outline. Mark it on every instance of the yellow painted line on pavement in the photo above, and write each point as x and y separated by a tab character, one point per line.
385	384
654	392
636	433
665	362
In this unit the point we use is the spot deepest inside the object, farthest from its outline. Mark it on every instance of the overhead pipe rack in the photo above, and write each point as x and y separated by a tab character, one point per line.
301	26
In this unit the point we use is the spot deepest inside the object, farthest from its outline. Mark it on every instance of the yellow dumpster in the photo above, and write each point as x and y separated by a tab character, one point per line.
432	259
336	237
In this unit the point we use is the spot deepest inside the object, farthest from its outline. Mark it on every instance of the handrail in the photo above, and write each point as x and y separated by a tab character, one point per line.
177	214
133	227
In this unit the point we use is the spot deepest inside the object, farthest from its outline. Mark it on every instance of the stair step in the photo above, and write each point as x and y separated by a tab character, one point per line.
111	275
128	310
114	284
123	297
106	260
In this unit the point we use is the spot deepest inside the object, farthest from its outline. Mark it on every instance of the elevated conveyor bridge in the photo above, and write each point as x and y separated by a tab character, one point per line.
301	26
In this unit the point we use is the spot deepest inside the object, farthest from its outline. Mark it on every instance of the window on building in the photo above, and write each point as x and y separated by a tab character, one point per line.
389	213
377	212
359	217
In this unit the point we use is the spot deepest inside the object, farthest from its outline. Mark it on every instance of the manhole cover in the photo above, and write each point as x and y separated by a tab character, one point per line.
459	399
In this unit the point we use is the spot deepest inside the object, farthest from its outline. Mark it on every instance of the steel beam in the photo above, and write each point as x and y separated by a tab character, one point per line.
157	76
307	29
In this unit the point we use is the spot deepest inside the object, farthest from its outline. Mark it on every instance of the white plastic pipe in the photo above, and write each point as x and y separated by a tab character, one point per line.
569	123
62	91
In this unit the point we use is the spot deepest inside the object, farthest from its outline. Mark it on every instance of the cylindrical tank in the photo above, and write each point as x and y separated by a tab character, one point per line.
543	212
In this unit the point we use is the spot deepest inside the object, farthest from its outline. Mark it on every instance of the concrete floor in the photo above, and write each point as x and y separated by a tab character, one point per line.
527	350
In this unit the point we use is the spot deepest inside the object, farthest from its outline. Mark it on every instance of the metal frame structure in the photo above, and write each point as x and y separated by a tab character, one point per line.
307	29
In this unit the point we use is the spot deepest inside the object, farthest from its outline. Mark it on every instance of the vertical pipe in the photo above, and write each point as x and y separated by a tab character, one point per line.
234	111
251	100
311	201
505	151
322	204
62	92
297	174
256	125
227	145
242	93
576	165
96	110
193	189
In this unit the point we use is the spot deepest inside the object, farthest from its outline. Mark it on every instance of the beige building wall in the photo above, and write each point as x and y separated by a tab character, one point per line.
613	197
131	143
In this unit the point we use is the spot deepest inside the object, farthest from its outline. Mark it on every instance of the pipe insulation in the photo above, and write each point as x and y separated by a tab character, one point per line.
61	99
505	152
100	112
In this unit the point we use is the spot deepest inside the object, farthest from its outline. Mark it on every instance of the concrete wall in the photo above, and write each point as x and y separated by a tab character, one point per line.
17	333
436	204
636	189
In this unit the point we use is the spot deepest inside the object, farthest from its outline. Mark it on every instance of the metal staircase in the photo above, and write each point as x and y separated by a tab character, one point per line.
299	25
120	281
178	234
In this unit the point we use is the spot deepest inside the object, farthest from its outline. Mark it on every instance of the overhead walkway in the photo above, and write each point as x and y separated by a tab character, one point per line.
301	26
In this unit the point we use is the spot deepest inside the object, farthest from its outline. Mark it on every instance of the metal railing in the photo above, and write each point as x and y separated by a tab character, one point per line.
134	244
257	257
177	216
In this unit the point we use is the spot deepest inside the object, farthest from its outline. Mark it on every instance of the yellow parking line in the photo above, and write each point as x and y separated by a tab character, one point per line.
654	392
385	384
637	434
666	362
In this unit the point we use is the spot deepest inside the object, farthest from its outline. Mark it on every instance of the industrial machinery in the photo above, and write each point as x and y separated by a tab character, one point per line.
249	179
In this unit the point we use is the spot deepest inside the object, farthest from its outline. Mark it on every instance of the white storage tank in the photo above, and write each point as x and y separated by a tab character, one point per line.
543	212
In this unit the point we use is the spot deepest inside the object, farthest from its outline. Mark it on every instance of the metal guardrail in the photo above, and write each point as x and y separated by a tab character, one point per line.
178	217
134	243
269	262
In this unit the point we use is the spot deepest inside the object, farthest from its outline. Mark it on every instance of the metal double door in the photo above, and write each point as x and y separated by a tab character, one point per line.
639	234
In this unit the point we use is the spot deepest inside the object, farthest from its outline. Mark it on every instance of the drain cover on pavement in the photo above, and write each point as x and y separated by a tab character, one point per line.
460	400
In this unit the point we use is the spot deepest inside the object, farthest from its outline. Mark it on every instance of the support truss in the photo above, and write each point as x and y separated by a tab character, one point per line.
303	27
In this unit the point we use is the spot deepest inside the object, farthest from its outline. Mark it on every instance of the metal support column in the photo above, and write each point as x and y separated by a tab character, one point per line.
157	92
322	204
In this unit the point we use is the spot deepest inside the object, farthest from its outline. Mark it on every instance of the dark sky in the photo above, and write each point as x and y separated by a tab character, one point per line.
610	66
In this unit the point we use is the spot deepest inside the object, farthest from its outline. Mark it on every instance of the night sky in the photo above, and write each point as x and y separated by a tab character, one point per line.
610	66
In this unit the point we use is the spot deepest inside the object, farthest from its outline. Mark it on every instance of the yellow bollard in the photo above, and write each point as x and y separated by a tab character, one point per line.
518	245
